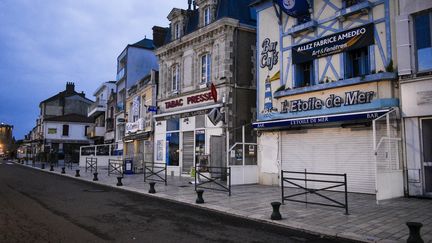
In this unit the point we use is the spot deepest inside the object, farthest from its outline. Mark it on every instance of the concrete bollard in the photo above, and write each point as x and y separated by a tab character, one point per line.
77	174
200	198
43	166
119	181
276	214
414	232
95	176
63	170
152	187
51	167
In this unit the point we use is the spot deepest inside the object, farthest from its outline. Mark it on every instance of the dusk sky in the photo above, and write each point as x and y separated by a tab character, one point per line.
46	43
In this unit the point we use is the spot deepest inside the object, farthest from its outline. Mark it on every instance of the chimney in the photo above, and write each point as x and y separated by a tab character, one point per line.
189	4
159	34
70	87
194	5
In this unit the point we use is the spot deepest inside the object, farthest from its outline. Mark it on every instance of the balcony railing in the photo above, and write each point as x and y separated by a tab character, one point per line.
96	107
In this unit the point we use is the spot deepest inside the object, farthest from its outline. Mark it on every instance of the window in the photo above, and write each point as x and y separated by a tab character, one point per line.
175	78
176	30
173	148
173	124
349	3
304	75
207	16
357	63
86	130
205	68
422	28
65	130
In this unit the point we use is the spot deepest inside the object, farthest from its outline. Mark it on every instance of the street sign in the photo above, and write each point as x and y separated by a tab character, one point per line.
152	108
215	116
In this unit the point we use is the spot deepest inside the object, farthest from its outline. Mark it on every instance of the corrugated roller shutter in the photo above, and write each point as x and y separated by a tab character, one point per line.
332	150
188	151
403	44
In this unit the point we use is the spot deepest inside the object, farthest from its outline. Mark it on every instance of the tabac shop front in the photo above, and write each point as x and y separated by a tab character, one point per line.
184	131
328	96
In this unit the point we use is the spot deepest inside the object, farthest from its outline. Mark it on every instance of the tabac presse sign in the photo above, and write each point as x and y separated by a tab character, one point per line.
344	41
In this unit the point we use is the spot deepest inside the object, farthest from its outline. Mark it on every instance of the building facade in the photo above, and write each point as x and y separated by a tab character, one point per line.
98	111
6	139
414	34
140	104
134	63
327	92
208	45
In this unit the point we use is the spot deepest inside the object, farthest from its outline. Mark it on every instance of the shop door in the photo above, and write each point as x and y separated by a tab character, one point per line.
427	154
188	152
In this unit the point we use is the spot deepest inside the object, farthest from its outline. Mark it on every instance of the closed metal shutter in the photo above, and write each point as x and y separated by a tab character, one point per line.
188	151
332	150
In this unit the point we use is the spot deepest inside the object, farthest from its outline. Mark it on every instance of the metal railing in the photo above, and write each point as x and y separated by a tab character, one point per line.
155	172
289	177
115	166
219	177
91	163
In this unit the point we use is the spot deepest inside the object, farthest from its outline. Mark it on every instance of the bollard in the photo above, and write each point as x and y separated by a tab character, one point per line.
199	199
414	232
95	178
119	182
77	174
43	166
52	168
276	214
63	170
152	187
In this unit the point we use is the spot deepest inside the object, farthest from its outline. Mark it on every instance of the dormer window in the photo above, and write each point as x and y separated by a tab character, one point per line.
175	80
177	30
207	16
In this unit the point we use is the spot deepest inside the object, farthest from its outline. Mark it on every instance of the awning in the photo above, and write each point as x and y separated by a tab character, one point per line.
295	122
186	113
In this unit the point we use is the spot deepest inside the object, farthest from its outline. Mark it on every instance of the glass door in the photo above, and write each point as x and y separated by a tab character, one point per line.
426	125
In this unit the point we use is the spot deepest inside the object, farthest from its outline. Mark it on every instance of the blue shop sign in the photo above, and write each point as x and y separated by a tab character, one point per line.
295	8
367	115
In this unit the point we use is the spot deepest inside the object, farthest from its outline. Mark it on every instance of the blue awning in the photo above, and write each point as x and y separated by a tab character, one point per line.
295	122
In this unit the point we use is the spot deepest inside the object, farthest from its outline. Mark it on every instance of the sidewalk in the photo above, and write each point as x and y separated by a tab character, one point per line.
366	221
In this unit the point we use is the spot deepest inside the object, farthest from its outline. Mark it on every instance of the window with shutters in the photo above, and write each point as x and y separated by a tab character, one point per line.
357	63
423	41
304	74
175	78
205	68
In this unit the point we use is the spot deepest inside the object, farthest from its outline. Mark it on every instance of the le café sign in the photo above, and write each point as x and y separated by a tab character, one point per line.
189	100
332	101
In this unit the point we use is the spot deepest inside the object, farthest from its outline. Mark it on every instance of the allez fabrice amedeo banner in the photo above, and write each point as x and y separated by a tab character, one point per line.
294	8
344	41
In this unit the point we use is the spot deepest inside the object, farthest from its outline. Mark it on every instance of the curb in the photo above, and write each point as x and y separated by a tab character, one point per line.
294	226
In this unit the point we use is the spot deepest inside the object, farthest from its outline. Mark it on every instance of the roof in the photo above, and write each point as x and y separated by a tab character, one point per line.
70	118
64	94
236	9
145	43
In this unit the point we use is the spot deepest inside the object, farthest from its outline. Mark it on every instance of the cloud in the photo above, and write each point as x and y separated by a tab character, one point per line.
46	43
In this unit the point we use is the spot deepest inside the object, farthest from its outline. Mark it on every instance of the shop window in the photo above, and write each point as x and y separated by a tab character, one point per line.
173	147
200	121
86	130
423	37
173	124
65	130
207	16
357	63
175	78
304	74
199	144
205	68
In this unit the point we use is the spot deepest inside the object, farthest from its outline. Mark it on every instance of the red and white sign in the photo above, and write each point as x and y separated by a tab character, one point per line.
191	100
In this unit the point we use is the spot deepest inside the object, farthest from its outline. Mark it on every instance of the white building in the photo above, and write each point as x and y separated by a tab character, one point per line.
414	35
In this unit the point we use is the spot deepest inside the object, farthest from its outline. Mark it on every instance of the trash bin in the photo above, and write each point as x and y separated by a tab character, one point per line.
128	164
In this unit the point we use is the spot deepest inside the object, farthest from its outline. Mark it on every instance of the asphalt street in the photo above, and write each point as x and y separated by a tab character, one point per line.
40	207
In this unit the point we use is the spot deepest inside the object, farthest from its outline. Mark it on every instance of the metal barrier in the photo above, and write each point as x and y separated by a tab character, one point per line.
334	183
115	166
155	172
91	163
213	175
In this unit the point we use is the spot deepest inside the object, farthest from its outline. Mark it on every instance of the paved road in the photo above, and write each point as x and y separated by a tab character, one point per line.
40	207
